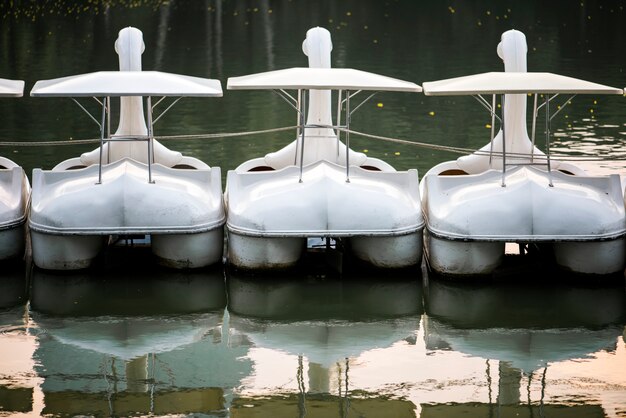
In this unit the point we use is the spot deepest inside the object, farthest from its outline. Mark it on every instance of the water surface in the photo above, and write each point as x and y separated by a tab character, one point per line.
216	343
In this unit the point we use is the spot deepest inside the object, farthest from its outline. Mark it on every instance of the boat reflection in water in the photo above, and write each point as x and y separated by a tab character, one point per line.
528	334
306	336
17	387
13	290
132	343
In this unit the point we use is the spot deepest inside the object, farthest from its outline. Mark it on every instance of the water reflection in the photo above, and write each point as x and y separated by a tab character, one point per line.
132	343
18	385
13	290
307	335
527	333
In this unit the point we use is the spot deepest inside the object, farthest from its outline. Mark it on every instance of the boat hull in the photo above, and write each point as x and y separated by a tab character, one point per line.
73	215
14	194
271	215
471	218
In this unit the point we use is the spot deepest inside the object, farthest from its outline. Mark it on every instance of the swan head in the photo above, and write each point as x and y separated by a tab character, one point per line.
512	50
129	47
317	46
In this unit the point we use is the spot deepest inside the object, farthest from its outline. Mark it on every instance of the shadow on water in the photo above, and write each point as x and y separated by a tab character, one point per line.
302	297
14	284
126	293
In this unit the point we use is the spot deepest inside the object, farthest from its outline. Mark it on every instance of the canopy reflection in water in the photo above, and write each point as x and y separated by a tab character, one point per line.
315	330
134	344
523	331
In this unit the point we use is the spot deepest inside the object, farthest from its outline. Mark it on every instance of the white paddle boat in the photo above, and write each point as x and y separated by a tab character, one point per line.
131	187
316	189
510	192
14	193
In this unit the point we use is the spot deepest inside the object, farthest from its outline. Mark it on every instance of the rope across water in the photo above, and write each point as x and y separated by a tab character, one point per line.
456	150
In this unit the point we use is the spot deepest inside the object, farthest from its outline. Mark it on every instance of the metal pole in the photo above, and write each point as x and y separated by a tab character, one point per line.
102	125
338	123
493	121
108	102
548	139
302	116
150	137
532	153
503	142
299	124
348	117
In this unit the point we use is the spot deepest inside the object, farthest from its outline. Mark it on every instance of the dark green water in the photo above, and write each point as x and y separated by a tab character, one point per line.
131	340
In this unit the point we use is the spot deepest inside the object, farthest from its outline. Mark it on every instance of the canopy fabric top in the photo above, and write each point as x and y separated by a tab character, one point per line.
513	83
127	83
320	79
11	88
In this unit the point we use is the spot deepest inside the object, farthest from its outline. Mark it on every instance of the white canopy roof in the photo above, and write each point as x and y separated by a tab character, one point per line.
11	88
320	79
515	82
127	83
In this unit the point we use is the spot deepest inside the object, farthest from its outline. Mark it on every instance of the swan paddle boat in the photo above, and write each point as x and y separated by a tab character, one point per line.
14	193
316	189
511	192
131	187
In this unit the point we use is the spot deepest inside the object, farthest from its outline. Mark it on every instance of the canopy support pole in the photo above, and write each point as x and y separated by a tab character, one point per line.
150	139
102	124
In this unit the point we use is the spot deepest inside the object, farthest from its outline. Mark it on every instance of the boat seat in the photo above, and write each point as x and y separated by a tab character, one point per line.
261	168
454	172
6	163
370	168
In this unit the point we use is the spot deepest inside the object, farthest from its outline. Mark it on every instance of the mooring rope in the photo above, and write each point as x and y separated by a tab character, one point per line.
446	148
158	138
467	151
